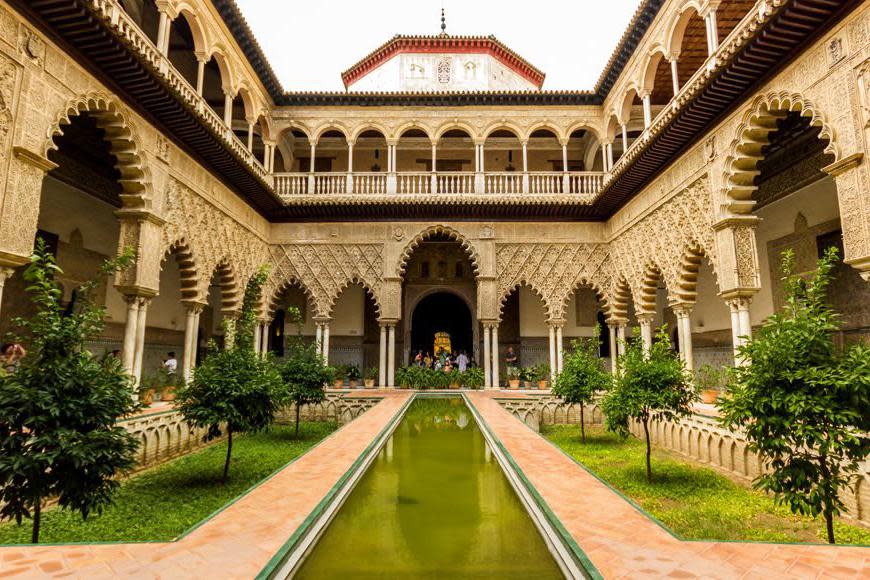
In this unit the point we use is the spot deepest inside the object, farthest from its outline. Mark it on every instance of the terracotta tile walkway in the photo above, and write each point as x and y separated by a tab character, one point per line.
238	542
623	543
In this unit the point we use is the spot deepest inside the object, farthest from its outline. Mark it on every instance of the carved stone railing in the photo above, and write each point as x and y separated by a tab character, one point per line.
127	29
414	182
579	183
162	435
697	437
341	406
504	182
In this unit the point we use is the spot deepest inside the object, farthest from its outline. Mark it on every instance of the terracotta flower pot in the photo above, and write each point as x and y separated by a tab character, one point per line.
168	394
514	384
528	385
370	383
709	396
352	383
147	397
338	384
543	384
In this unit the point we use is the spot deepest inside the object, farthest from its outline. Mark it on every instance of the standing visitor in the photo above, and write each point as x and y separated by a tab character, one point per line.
170	365
511	361
462	361
418	359
427	361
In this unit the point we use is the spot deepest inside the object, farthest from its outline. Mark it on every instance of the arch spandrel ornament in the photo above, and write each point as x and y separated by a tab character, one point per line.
470	248
551	270
211	234
661	237
327	269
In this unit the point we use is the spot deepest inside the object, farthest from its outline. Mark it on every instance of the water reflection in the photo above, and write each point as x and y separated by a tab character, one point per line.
438	506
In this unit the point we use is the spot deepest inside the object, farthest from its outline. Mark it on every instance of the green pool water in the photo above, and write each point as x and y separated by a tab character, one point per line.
434	504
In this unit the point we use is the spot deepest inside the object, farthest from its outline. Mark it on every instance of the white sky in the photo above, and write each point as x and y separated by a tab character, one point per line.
309	43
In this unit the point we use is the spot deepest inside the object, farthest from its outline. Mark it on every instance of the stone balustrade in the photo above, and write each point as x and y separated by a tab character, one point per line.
697	437
575	183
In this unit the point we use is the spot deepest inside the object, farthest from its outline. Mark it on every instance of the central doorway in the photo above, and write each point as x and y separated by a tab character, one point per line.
441	312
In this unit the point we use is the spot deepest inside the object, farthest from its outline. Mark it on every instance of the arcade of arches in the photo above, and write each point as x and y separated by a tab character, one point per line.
695	247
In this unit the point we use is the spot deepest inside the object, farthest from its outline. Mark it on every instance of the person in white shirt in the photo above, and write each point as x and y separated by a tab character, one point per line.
462	361
170	364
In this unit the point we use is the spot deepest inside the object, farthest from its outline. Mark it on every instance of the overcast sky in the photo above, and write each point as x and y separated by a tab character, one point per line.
310	43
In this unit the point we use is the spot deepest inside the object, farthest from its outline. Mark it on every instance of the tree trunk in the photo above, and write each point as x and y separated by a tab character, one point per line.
826	500
648	450
582	429
37	515
296	434
229	452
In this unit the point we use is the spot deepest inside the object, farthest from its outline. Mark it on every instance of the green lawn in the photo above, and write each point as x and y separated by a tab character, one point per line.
162	503
696	502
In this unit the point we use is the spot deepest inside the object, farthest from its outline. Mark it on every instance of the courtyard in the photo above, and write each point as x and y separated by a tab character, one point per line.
442	314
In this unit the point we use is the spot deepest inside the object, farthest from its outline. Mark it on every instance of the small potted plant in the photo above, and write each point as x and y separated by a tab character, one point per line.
513	378
472	378
371	376
353	376
146	391
527	376
455	379
340	373
542	375
711	381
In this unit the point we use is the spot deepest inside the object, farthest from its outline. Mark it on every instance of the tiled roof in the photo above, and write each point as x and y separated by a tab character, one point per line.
442	43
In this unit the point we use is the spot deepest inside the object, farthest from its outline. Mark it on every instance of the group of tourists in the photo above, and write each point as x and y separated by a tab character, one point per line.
444	360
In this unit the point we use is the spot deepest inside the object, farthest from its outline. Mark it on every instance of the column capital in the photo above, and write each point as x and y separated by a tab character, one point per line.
193	307
321	319
489	323
682	309
645	317
556	322
131	293
387	322
708	7
617	322
737	301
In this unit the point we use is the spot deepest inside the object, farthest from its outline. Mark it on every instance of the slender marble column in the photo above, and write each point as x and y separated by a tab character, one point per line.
128	354
326	342
553	361
382	358
391	356
318	338
487	358
495	362
559	350
624	138
228	110
675	76
189	339
140	337
646	323
620	338
614	355
647	111
200	74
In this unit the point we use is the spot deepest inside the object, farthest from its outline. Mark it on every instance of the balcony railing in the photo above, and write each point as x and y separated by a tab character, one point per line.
443	182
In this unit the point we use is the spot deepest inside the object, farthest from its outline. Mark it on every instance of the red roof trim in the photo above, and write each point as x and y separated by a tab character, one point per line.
433	44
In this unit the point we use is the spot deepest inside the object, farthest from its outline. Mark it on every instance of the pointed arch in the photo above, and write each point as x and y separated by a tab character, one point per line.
359	281
648	291
187	267
228	284
753	134
273	300
438	230
120	132
582	281
505	294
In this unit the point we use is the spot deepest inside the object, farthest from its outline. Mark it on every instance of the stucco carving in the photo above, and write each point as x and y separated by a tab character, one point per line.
552	271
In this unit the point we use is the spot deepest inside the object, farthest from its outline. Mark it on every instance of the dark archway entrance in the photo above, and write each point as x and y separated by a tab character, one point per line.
441	312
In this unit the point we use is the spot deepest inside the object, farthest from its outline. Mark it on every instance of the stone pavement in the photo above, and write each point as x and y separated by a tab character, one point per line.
624	543
236	543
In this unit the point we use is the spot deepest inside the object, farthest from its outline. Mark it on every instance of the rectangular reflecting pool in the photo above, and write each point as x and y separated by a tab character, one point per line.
434	504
